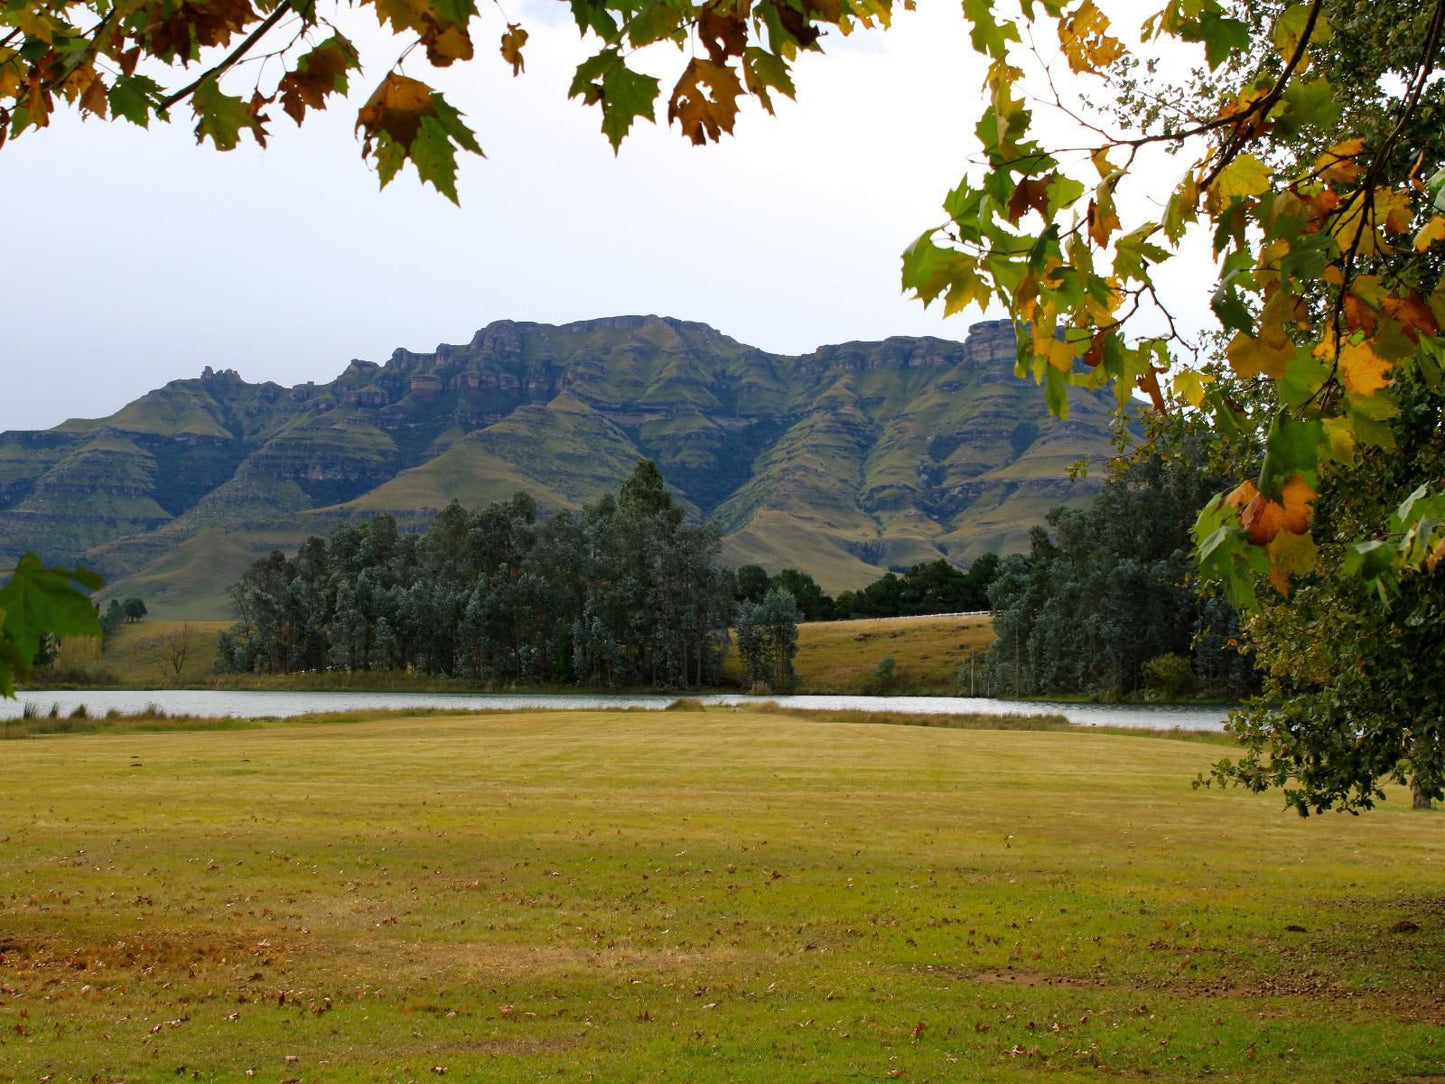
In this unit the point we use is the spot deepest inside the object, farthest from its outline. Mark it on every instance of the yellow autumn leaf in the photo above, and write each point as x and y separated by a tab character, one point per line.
1085	41
1392	207
1189	385
1338	164
1269	357
1291	555
1363	370
1432	231
1245	176
1100	158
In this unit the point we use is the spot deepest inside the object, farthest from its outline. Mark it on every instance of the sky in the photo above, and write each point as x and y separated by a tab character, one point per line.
136	257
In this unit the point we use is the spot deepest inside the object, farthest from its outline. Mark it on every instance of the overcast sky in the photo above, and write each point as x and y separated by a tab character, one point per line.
136	257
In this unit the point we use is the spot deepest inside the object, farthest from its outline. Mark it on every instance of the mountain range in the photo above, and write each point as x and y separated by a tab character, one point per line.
842	462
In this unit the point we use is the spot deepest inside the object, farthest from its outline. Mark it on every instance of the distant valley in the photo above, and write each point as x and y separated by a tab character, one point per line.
843	462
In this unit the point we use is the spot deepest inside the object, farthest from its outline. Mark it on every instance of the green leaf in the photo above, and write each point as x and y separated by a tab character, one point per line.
132	96
989	34
1291	447
435	158
37	600
1230	308
220	116
1221	36
1063	191
623	94
765	71
1134	252
1307	104
1290	27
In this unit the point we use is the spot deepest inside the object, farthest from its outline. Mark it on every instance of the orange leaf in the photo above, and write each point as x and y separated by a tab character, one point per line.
705	100
1413	315
1103	220
1359	316
1264	519
1363	370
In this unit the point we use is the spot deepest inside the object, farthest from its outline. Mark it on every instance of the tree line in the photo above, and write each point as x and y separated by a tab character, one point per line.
622	593
1106	600
929	587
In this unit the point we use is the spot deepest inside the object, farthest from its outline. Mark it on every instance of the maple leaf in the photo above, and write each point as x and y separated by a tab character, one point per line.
1242	178
222	117
1031	192
1291	554
623	94
1189	386
763	72
95	100
1266	356
1413	315
317	74
37	600
723	33
705	100
179	31
512	42
1085	42
445	44
1263	519
1363	370
396	109
1432	231
1338	164
1102	218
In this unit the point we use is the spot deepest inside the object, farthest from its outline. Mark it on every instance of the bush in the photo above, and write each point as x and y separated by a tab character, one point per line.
883	677
1168	675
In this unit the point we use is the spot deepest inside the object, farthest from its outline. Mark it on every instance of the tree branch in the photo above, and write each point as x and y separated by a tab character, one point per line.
235	55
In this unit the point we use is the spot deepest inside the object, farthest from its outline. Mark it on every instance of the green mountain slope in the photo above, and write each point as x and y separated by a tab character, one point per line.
843	462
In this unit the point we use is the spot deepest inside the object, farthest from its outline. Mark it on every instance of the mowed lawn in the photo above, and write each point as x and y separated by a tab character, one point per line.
697	896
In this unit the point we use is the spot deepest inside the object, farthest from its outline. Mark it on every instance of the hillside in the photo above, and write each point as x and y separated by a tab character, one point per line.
843	462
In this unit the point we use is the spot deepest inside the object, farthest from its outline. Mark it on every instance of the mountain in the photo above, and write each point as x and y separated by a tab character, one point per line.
842	462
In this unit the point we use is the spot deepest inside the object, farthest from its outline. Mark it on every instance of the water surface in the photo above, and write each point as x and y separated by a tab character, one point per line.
247	704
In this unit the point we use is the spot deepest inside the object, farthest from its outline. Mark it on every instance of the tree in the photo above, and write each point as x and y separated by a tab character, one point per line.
174	649
767	638
134	610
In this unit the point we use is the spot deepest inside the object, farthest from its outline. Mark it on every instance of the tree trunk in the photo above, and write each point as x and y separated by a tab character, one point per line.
1419	799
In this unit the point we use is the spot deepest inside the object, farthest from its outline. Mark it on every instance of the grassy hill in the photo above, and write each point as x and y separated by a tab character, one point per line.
843	462
710	896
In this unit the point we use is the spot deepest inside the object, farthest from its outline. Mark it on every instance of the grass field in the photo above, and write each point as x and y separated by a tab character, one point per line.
841	656
697	896
833	657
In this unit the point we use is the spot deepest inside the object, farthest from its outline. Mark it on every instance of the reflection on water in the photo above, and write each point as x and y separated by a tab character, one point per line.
220	702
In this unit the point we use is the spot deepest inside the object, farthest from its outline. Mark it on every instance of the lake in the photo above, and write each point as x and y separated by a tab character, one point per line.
244	704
